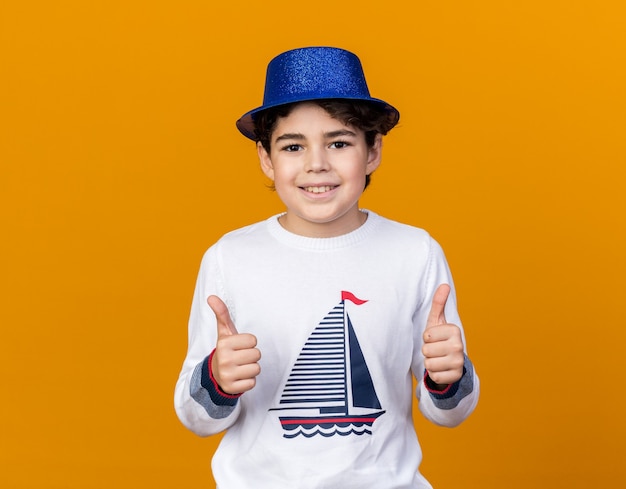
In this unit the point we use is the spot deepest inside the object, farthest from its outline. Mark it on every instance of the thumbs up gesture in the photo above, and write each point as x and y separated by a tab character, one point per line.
235	361
443	343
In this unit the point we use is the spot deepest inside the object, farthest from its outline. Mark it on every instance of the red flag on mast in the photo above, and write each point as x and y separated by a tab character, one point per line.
351	297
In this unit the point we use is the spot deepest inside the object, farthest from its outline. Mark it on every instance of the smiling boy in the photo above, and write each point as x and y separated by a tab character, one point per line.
306	329
318	166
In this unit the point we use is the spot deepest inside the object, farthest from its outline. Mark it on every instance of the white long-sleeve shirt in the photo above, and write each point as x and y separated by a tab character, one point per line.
339	323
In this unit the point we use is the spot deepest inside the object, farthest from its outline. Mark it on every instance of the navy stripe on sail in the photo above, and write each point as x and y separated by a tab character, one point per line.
319	374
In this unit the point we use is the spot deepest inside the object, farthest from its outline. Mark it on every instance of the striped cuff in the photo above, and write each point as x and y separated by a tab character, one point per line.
450	397
218	396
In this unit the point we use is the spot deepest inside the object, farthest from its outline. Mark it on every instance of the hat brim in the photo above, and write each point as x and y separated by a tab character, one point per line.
246	123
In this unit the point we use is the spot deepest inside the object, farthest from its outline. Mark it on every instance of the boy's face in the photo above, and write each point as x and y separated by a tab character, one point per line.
318	166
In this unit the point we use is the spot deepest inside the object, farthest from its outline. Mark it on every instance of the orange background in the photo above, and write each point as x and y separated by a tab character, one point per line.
120	164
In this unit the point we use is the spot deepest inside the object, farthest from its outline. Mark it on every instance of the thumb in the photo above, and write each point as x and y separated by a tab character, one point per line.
225	325
437	309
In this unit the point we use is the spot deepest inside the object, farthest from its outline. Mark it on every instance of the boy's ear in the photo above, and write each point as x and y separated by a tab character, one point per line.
374	154
265	160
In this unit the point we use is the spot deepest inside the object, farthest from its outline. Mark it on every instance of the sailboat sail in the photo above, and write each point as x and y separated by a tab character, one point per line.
363	392
329	379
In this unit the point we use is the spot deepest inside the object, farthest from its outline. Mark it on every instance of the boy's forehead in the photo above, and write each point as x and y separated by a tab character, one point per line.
309	118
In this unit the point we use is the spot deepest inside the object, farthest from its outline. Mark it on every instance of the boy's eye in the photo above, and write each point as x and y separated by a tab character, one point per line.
339	144
292	147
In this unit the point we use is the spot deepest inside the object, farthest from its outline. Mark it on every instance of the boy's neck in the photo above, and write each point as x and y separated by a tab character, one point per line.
338	227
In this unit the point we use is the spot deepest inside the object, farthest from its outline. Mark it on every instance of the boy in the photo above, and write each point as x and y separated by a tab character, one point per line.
344	305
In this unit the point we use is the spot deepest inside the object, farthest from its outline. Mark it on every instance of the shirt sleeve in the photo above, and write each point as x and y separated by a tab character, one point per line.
198	401
453	405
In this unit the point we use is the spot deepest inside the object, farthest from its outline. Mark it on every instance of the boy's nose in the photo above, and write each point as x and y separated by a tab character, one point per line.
317	161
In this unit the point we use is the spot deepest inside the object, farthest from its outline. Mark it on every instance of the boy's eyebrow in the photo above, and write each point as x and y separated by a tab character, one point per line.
339	132
290	135
327	135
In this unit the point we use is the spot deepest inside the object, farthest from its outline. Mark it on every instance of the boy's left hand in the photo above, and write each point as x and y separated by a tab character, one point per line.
443	343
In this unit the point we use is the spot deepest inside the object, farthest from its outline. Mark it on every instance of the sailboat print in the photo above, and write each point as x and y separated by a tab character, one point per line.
330	390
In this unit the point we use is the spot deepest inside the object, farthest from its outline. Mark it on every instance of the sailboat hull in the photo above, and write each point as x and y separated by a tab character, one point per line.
290	423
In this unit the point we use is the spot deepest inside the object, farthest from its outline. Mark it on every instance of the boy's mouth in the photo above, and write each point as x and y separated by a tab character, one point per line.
320	189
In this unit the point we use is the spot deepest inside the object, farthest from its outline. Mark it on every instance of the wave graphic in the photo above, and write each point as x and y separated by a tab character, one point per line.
351	429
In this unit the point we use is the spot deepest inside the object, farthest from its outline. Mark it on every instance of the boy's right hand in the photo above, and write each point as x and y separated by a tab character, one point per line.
235	361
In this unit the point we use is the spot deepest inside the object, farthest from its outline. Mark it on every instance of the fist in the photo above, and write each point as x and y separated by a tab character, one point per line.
235	363
443	343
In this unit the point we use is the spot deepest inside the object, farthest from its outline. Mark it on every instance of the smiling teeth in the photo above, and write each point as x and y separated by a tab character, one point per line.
319	190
